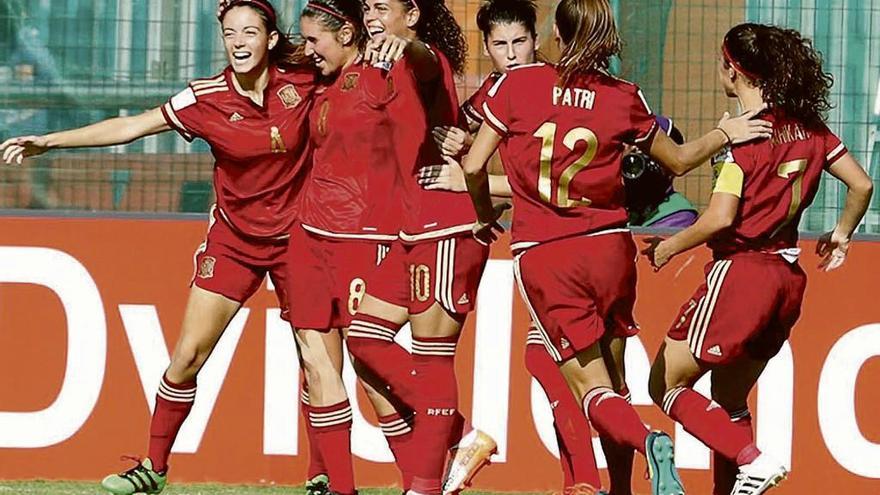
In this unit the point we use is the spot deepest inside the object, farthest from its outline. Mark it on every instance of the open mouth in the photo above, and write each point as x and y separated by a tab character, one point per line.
241	56
375	29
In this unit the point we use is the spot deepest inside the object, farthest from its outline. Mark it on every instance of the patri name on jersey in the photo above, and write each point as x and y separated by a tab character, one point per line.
574	97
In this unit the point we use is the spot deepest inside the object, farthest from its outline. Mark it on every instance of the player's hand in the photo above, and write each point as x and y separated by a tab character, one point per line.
451	140
655	252
446	177
833	247
17	149
385	48
487	232
745	128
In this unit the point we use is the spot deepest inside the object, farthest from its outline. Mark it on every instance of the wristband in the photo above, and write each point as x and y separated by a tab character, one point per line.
726	135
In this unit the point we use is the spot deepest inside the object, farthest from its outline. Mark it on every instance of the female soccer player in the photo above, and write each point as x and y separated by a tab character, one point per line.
510	39
431	277
348	219
733	326
252	114
574	259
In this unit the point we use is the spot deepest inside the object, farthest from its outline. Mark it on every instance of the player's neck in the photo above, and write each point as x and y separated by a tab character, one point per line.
252	84
750	99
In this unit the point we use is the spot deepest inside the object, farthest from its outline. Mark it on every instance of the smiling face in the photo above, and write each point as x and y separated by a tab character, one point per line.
509	45
329	50
389	16
246	39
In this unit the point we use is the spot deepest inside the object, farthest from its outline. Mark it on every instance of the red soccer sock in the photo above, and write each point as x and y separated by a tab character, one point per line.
724	471
333	435
614	418
400	437
173	404
710	423
438	419
316	462
619	459
371	341
572	429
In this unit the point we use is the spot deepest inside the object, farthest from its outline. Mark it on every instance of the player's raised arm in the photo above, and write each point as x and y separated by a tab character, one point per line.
110	132
681	159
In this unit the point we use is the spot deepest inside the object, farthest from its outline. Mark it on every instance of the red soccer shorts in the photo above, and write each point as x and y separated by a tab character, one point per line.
747	305
234	265
446	271
328	278
579	288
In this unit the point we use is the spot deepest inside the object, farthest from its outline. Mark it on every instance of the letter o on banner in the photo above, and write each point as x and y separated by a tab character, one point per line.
837	415
86	346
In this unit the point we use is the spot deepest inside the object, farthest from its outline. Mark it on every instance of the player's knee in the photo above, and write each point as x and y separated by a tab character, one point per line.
186	363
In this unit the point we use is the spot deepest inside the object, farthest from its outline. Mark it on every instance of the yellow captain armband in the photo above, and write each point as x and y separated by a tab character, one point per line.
729	179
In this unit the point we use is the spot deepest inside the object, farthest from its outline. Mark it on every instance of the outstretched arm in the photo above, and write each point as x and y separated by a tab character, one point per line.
110	132
681	159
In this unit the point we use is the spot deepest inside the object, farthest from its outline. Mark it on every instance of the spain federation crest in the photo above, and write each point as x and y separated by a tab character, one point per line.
289	96
206	267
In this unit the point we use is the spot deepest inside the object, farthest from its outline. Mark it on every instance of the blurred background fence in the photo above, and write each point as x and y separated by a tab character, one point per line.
64	63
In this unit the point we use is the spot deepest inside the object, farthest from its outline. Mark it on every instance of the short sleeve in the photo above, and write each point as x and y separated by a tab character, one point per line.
497	109
834	148
729	175
642	123
380	87
183	113
473	107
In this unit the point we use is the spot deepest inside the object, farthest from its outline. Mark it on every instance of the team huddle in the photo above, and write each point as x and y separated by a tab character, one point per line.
347	171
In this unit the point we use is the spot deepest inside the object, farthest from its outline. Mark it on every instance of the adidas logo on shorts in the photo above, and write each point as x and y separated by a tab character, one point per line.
715	350
463	299
235	117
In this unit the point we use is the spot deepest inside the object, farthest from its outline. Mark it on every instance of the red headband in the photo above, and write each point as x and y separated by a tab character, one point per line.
736	65
330	11
263	5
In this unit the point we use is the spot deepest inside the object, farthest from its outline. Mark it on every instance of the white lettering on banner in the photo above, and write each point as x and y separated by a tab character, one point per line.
491	394
86	346
147	343
837	415
281	382
776	406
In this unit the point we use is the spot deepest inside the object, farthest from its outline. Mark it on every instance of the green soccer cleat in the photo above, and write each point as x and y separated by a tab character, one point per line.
660	455
319	485
139	479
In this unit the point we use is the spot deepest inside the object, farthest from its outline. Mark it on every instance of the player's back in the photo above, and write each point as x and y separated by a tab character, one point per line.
562	148
776	179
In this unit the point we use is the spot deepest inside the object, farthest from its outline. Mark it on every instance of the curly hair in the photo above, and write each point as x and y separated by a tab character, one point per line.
494	12
785	66
334	14
588	31
438	28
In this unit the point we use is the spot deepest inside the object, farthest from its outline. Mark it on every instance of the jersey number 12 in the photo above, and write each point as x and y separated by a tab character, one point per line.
547	134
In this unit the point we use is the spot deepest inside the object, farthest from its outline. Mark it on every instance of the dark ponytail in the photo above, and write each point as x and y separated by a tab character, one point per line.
438	28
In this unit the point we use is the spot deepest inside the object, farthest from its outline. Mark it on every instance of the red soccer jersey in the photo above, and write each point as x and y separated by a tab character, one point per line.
775	179
561	149
352	188
434	214
472	109
260	151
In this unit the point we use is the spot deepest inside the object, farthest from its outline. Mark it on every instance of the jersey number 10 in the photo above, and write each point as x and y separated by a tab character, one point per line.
547	134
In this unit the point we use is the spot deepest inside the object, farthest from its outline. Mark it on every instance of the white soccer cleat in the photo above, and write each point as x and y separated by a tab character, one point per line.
470	455
761	475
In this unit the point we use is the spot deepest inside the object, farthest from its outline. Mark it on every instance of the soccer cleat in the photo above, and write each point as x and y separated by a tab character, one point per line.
139	479
319	485
470	455
660	455
761	475
581	489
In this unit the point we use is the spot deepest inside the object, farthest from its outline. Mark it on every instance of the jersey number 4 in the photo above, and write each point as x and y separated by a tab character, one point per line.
547	134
